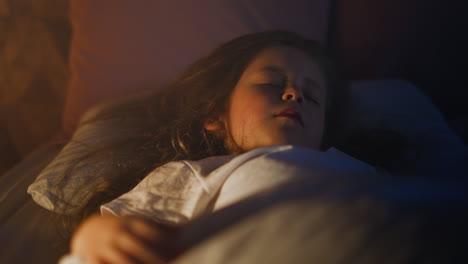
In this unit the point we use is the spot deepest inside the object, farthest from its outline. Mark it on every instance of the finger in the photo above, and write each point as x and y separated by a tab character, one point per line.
162	239
145	230
136	249
114	256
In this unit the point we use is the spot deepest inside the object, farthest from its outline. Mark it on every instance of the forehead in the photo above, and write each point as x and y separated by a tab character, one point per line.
284	57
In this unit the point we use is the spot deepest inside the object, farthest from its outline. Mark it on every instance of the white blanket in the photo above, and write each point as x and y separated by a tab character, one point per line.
180	191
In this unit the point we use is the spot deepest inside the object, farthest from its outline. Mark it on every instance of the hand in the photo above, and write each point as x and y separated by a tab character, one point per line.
111	239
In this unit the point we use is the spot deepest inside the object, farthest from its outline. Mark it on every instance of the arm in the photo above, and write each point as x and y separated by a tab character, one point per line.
112	239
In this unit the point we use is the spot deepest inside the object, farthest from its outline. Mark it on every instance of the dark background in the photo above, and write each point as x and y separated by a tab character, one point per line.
423	41
34	44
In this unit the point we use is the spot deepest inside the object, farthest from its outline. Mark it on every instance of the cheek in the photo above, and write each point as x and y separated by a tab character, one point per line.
316	122
247	114
240	116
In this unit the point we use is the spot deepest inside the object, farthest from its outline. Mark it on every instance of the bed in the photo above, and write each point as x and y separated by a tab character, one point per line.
104	67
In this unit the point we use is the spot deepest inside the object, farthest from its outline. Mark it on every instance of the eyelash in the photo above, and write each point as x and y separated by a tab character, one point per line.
306	97
270	84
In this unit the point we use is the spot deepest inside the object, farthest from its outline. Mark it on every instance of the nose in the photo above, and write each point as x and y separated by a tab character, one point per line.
292	94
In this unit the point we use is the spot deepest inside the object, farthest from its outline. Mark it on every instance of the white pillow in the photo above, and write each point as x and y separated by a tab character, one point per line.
434	150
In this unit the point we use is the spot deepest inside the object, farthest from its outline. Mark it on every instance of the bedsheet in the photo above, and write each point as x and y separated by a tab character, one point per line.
27	231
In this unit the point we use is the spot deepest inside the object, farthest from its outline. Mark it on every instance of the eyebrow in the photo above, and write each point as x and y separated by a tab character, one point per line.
275	69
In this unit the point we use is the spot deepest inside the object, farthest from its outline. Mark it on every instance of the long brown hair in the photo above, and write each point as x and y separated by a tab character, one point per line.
172	126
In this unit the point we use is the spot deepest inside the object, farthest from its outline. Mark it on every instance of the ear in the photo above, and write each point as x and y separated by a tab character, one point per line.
211	124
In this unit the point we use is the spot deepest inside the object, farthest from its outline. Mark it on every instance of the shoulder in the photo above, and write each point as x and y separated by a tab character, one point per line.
302	158
179	168
172	193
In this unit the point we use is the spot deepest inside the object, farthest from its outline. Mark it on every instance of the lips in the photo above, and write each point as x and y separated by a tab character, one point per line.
291	113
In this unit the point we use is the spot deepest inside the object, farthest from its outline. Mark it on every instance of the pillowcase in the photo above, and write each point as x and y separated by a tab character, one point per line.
119	46
433	149
386	104
59	187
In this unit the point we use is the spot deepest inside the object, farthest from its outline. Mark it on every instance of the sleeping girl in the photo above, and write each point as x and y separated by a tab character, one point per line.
262	96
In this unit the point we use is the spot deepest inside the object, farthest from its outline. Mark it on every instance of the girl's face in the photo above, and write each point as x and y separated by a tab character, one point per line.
279	99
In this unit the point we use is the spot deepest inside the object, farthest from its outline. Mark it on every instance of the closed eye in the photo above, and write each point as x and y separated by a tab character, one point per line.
311	99
270	84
